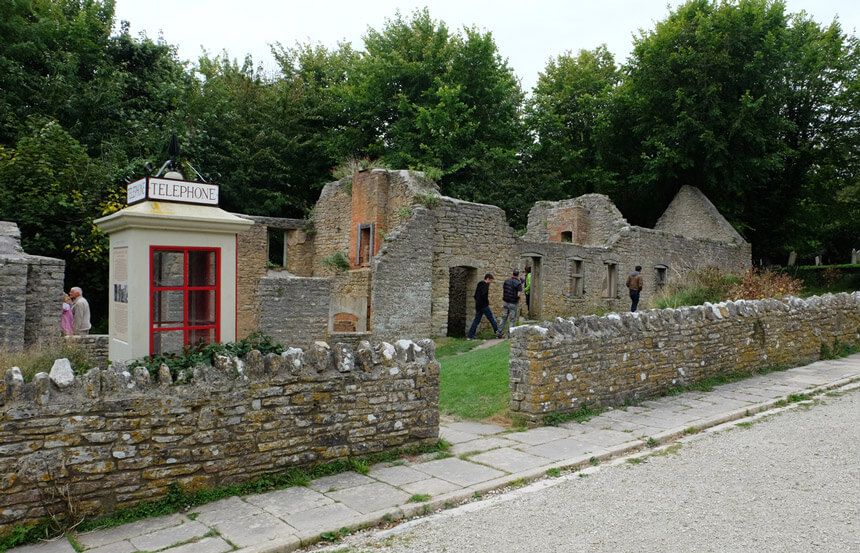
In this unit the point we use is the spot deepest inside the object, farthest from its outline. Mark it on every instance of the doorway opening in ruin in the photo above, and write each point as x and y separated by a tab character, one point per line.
533	311
461	280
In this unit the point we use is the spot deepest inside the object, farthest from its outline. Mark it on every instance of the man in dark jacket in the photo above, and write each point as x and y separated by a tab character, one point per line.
512	289
482	307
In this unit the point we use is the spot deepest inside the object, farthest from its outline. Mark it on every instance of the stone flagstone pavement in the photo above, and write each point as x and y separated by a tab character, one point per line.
485	458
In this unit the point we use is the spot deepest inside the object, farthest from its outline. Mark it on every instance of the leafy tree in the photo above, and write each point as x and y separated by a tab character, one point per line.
568	116
52	63
428	99
747	103
54	191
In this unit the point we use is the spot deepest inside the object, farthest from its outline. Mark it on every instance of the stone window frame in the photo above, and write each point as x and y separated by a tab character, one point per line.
359	261
661	275
576	278
283	231
610	291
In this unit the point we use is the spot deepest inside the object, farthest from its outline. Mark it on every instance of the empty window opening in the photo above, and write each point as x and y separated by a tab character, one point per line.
610	281
364	251
661	274
567	236
575	285
277	248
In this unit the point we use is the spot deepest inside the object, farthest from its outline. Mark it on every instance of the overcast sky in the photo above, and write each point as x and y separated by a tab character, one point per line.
527	33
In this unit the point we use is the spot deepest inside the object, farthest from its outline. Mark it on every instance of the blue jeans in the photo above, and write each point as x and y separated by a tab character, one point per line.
483	312
509	310
634	297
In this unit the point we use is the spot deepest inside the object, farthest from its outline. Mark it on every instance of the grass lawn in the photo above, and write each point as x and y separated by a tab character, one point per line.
474	385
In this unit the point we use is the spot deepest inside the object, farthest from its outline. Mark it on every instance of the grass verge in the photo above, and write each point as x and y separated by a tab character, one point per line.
475	386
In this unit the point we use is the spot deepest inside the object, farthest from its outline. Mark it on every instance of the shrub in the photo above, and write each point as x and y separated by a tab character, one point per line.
337	261
354	165
41	359
707	284
428	200
757	285
204	354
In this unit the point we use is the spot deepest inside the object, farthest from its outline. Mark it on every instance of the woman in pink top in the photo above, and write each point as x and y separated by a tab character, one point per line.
68	318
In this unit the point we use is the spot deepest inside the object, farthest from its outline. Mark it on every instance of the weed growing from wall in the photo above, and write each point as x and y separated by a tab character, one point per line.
337	261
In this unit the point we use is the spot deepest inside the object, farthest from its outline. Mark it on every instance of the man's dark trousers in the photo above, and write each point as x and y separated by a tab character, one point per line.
483	312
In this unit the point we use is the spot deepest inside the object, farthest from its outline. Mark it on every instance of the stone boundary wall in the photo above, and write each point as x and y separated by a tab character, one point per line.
31	294
604	361
293	310
96	346
115	438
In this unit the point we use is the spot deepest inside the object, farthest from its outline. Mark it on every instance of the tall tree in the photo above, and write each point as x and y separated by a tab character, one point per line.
568	116
743	101
435	100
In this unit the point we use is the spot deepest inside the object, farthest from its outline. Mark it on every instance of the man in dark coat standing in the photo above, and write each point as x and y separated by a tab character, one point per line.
512	289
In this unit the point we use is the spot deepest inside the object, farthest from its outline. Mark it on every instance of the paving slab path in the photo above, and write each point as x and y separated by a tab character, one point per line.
485	458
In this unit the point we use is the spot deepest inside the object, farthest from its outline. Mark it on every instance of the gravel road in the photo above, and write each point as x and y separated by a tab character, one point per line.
790	481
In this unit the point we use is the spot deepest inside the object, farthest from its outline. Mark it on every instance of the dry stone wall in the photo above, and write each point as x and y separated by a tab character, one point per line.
604	361
31	294
115	438
95	345
293	310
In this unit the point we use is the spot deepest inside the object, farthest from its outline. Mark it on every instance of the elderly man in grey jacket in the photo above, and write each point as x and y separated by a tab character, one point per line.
80	312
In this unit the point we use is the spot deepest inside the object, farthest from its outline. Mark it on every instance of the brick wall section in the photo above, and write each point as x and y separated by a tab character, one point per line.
603	361
116	439
368	207
593	218
294	310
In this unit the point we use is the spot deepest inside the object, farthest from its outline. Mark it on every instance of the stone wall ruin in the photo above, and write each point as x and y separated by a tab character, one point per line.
31	294
605	361
412	258
114	438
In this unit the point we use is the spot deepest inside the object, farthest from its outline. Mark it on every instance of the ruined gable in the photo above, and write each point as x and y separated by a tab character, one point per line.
692	214
590	219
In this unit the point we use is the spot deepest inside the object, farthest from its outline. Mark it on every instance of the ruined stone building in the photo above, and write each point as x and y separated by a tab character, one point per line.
31	294
386	256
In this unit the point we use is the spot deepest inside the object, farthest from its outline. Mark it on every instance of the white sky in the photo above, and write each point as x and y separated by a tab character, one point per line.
527	34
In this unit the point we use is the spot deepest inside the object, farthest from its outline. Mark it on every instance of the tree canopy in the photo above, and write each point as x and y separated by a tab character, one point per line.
758	107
